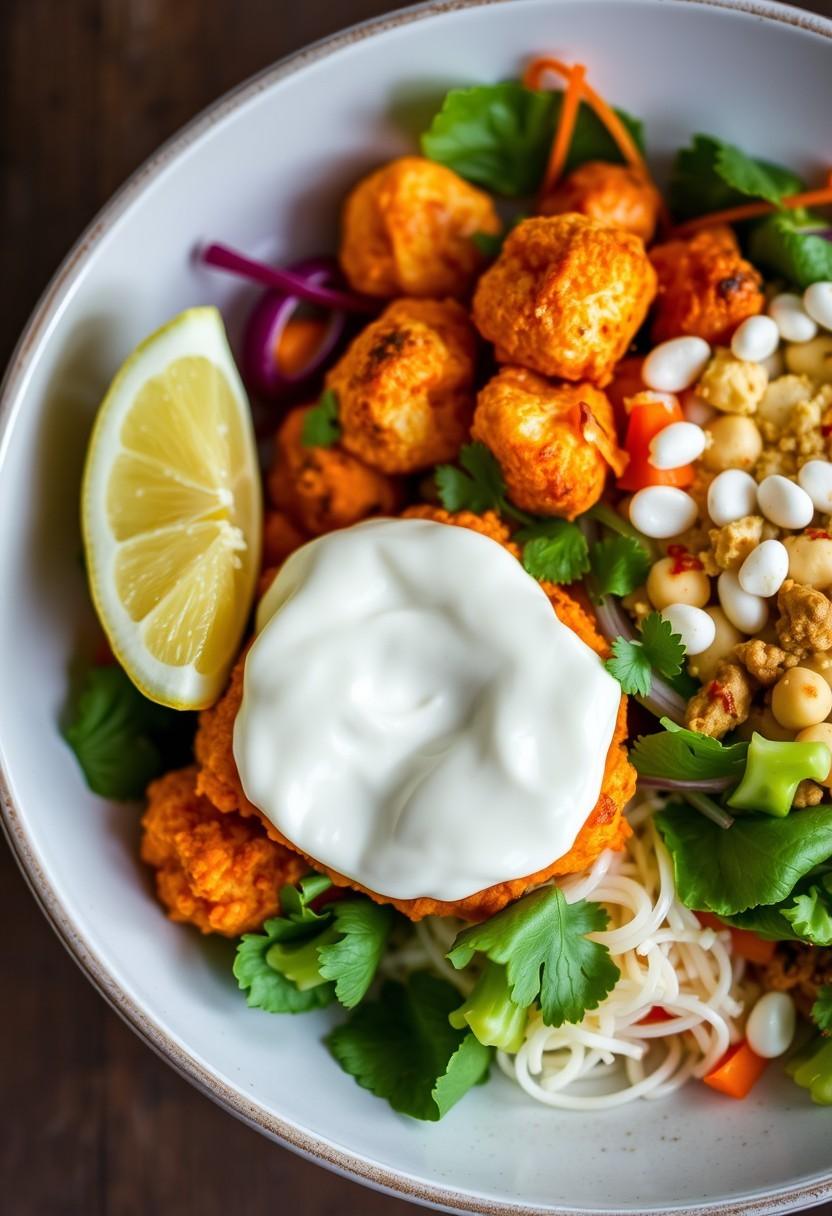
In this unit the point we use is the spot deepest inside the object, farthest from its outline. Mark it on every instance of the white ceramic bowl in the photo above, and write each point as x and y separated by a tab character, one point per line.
265	169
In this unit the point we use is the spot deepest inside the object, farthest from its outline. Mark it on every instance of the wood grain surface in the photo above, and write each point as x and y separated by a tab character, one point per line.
91	1122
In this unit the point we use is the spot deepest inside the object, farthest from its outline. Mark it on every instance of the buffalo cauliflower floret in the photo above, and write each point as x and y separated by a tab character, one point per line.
280	538
546	439
405	386
565	297
706	287
324	488
407	231
615	195
213	870
805	621
732	385
723	703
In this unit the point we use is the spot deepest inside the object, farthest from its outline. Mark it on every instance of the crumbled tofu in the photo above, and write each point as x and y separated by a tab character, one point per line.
732	543
805	622
723	703
763	660
732	385
796	436
781	396
808	793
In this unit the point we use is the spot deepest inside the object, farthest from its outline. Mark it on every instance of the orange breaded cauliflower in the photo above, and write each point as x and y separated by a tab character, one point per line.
407	231
324	488
706	287
616	195
213	870
280	538
565	297
404	386
544	437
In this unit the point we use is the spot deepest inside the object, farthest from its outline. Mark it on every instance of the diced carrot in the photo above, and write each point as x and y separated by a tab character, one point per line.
647	418
744	943
299	339
737	1072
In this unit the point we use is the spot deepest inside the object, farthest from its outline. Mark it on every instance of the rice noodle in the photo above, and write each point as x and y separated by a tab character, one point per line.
666	959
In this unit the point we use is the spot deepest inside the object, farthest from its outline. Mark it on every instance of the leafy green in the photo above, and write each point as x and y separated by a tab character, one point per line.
499	136
321	428
555	550
810	914
712	175
619	564
542	941
403	1048
489	244
786	244
686	755
491	1013
478	486
304	959
658	648
120	738
822	1009
758	860
767	921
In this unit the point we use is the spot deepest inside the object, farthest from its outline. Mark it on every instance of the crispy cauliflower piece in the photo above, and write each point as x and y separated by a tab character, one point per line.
732	543
615	195
407	231
213	870
488	524
763	660
540	435
732	385
565	297
706	287
280	538
723	703
805	621
324	488
405	386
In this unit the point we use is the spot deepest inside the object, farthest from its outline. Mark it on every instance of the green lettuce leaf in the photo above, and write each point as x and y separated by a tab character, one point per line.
810	914
822	1009
786	244
712	175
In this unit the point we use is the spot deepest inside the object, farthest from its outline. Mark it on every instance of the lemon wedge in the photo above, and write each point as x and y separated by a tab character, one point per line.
171	512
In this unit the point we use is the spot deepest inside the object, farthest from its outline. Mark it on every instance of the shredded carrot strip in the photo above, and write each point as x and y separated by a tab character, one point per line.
750	211
566	127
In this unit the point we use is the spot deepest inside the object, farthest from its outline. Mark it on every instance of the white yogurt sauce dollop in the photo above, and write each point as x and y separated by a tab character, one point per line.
414	714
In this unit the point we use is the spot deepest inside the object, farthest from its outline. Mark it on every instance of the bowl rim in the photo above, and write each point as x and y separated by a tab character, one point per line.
81	950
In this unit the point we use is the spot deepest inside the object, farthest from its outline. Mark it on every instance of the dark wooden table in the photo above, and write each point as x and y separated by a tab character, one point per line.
91	1123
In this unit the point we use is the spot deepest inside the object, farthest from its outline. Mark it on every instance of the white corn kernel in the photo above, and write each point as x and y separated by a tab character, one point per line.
696	629
815	477
748	613
791	319
662	511
771	1025
817	300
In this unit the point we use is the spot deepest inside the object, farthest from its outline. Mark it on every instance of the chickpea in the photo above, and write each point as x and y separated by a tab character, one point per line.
813	358
801	698
736	443
703	666
821	733
685	587
821	662
762	720
810	559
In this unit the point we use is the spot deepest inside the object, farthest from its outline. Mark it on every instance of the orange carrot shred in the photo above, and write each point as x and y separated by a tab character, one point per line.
750	211
566	126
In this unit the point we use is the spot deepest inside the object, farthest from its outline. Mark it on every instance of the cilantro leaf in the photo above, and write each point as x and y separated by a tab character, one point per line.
403	1048
662	646
686	755
321	428
478	486
758	860
810	915
351	961
630	665
121	739
788	245
554	550
499	136
822	1009
542	940
619	564
712	175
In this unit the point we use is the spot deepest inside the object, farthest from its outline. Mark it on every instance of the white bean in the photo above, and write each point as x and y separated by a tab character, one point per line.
731	495
784	502
696	629
748	613
677	364
817	300
771	1025
792	321
815	477
676	445
765	569
662	511
757	338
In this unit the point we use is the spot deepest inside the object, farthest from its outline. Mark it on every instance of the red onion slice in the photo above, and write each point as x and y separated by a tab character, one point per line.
302	279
